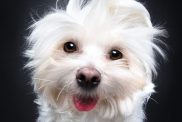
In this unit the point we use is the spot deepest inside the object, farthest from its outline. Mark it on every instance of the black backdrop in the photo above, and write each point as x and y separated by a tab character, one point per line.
16	96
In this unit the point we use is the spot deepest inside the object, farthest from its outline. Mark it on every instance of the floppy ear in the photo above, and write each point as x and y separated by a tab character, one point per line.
130	13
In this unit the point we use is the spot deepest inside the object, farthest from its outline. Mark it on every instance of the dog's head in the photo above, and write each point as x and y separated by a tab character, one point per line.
94	57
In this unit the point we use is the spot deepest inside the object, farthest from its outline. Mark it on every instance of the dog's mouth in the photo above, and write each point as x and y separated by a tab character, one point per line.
84	103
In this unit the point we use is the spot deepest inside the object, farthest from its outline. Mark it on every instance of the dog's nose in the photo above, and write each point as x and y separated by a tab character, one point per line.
88	78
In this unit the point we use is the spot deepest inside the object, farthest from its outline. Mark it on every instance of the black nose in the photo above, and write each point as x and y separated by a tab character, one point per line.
88	78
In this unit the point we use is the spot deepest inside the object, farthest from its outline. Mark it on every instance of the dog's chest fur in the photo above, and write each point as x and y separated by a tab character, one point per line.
49	114
69	117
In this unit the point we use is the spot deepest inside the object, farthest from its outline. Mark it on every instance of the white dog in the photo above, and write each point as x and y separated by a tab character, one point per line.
93	62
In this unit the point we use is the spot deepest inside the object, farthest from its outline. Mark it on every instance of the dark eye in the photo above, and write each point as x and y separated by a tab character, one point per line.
115	55
70	47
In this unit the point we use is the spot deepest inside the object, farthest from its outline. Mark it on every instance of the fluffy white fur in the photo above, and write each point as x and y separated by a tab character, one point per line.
96	27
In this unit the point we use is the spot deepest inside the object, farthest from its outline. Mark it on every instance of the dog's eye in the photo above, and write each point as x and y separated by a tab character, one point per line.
115	55
70	47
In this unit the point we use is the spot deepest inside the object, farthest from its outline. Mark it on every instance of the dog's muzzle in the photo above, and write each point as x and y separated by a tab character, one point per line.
87	79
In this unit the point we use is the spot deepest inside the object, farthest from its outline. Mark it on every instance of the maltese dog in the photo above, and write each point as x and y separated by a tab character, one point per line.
93	61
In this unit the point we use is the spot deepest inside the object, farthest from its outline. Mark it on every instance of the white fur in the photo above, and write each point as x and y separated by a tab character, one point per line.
96	28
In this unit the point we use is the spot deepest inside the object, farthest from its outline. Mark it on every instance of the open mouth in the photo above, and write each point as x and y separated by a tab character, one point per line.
84	103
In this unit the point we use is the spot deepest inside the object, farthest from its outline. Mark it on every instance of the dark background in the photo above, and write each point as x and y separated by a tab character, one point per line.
16	96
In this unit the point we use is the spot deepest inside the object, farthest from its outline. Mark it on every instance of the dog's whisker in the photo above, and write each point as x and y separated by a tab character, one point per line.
42	86
66	85
153	100
47	84
43	79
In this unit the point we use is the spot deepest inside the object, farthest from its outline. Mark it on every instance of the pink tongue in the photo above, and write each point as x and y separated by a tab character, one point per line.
84	104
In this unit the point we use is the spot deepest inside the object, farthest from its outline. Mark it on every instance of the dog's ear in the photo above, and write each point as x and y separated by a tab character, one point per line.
130	13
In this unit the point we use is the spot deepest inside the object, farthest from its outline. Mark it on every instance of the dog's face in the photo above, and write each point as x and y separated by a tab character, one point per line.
96	59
